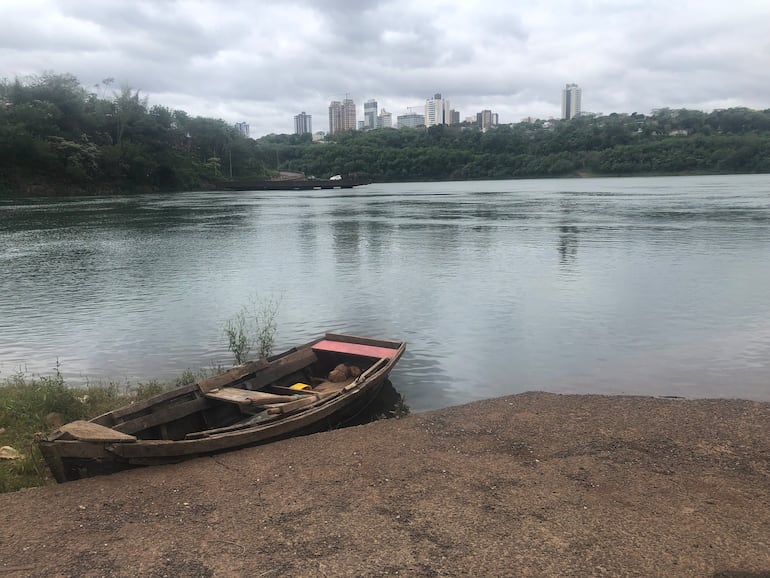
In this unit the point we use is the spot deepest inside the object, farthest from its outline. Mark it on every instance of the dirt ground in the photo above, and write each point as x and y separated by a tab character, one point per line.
529	485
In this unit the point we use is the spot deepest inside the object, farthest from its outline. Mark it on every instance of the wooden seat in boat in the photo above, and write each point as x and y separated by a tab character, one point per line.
245	397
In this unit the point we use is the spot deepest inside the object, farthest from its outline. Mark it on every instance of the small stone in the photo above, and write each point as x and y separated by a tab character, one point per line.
9	453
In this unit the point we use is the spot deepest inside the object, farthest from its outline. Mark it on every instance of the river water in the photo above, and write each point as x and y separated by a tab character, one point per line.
653	286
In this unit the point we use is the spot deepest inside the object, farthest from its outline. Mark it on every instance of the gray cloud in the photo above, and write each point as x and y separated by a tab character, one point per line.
263	62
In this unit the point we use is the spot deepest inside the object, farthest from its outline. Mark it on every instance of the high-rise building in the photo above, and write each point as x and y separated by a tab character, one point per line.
384	119
454	117
243	128
303	123
485	119
335	117
411	120
436	110
342	116
570	101
370	114
348	114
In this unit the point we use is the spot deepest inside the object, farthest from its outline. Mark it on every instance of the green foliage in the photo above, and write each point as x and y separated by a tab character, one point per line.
236	331
253	327
58	137
32	406
668	141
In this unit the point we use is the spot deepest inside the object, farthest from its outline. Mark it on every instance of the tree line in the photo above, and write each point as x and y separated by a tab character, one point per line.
667	141
56	136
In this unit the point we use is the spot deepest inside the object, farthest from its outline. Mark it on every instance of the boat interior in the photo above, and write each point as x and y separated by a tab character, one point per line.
245	396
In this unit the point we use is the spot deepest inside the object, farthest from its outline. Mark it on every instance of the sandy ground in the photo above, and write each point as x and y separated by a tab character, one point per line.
529	485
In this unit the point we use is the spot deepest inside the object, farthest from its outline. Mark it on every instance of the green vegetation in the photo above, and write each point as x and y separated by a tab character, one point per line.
667	142
252	327
31	406
58	137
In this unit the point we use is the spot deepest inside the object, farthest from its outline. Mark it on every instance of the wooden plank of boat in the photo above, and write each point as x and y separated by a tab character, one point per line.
252	421
231	376
258	374
306	401
162	415
90	432
248	397
353	348
139	406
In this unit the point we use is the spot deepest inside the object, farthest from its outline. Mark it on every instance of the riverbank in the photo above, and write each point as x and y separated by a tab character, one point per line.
528	485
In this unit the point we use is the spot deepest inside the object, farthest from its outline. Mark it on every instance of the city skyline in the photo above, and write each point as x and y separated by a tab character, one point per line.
264	66
342	116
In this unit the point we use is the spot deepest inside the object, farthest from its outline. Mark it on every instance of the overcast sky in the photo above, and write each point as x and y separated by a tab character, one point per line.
264	61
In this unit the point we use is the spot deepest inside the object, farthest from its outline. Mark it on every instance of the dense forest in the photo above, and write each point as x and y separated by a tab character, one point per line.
668	141
57	137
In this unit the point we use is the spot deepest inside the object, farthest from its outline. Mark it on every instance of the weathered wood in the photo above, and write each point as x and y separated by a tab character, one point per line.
231	376
353	349
376	366
257	419
362	340
300	412
295	361
327	386
139	406
163	415
307	401
91	432
289	391
247	397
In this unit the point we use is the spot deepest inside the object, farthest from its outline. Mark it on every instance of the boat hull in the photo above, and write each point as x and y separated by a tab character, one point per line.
129	437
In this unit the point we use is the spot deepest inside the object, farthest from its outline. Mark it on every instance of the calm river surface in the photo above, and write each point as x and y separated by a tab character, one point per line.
654	286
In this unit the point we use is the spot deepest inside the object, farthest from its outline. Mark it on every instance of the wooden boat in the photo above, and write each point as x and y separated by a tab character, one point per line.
305	389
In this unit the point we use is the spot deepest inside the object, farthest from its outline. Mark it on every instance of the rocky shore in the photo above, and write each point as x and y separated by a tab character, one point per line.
528	485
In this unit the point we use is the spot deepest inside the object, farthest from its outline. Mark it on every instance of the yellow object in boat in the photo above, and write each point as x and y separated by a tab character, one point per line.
300	386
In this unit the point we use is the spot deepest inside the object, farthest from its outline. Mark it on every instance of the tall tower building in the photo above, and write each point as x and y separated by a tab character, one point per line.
370	114
335	117
342	116
485	119
243	128
570	101
303	123
436	110
348	114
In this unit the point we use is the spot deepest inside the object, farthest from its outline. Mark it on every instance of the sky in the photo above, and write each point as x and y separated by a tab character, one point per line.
262	62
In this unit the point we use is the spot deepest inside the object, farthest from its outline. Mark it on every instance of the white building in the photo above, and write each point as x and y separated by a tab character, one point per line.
384	119
570	101
436	111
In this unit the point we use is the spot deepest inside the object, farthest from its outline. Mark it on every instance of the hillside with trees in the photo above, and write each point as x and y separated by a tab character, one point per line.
57	137
666	142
